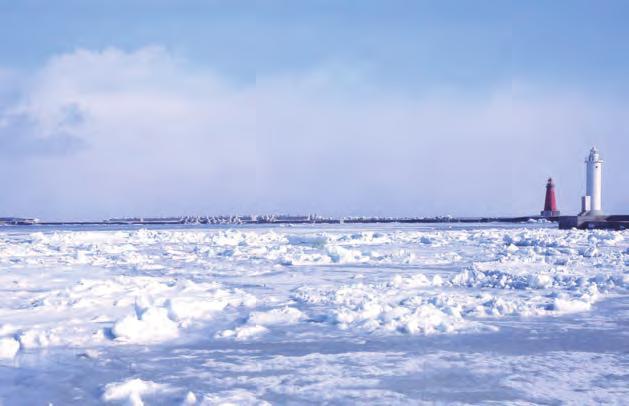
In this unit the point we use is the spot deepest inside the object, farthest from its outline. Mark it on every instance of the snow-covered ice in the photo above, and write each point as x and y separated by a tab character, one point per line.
257	315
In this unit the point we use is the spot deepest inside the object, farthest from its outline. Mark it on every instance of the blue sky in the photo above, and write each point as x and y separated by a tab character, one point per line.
452	42
112	108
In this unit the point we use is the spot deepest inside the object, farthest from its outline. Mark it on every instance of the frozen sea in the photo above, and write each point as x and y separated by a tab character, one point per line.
311	314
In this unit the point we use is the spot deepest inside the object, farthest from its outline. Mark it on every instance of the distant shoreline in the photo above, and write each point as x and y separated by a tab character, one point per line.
235	220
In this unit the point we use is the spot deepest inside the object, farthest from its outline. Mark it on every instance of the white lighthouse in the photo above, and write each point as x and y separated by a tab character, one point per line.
591	204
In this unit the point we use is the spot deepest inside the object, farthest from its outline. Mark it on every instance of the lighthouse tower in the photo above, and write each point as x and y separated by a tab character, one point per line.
550	204
591	203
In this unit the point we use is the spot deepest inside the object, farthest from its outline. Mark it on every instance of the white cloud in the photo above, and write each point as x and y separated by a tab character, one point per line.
105	133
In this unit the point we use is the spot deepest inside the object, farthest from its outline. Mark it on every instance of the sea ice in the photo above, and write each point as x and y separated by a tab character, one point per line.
337	314
145	326
132	390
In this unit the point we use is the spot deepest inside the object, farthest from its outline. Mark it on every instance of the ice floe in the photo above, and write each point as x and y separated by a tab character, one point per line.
107	290
131	391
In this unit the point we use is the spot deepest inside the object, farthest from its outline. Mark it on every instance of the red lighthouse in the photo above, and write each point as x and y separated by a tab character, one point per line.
550	204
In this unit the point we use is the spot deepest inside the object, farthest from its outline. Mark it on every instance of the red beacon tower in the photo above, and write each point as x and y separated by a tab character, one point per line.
550	204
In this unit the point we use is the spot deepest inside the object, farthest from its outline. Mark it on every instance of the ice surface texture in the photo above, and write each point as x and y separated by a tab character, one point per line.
204	316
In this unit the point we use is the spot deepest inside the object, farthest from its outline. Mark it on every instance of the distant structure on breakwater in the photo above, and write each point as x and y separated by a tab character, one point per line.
591	215
592	202
550	203
18	221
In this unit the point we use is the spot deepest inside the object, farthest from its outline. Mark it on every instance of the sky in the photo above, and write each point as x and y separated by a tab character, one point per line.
390	108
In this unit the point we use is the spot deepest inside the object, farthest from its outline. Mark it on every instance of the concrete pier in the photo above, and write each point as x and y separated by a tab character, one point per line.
616	222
